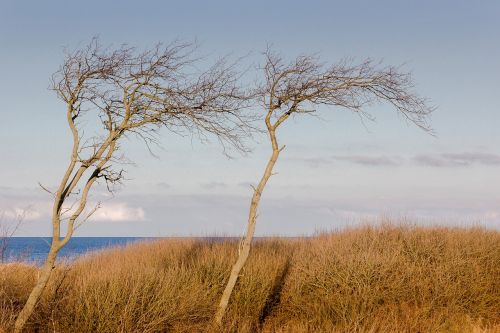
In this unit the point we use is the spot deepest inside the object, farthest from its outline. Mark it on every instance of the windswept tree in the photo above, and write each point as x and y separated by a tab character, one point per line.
127	92
299	87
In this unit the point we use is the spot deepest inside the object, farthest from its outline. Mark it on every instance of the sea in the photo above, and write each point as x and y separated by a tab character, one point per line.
35	249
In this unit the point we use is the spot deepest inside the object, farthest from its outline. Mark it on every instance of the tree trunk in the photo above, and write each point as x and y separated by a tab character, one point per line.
36	293
244	249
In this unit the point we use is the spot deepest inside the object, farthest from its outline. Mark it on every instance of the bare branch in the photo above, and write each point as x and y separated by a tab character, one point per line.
45	189
9	229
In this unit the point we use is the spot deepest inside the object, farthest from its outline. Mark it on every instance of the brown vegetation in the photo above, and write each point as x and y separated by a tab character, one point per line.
368	279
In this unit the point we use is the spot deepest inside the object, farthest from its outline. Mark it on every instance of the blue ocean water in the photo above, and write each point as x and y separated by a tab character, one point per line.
35	249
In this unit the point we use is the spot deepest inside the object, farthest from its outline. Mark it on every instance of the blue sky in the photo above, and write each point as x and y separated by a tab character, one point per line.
334	172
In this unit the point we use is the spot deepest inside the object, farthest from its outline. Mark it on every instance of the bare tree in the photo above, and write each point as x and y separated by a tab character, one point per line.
131	92
8	230
298	88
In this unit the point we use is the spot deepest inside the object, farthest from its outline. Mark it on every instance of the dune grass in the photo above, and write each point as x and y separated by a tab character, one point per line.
367	279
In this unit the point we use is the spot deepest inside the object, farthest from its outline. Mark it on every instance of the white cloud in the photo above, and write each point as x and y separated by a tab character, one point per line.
118	212
12	211
22	214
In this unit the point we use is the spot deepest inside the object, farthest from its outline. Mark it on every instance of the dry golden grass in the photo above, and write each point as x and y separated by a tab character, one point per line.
367	279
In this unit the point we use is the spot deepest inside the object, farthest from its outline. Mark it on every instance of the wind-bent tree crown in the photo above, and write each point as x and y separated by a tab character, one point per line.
142	91
301	85
138	93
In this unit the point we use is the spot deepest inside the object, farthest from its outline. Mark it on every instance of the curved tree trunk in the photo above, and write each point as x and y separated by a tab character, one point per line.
36	293
244	249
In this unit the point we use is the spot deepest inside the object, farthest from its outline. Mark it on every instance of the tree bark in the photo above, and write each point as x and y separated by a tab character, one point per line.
244	249
36	293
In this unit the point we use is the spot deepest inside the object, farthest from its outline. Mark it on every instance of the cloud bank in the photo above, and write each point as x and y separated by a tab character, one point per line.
371	160
457	160
440	160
